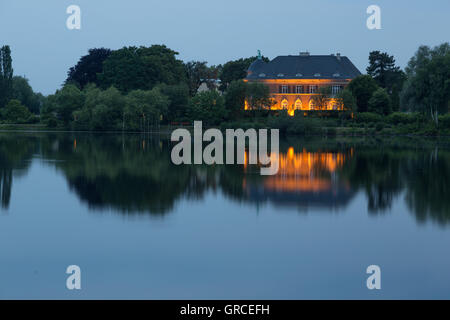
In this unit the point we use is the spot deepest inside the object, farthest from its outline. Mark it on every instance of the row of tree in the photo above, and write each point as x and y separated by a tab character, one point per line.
157	85
93	108
132	68
423	87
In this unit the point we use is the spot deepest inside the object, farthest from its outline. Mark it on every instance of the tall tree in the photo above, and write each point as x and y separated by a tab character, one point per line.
428	86
6	75
380	102
235	98
23	92
132	68
87	68
387	75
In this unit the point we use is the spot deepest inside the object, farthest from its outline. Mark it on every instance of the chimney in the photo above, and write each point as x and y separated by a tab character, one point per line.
304	54
338	56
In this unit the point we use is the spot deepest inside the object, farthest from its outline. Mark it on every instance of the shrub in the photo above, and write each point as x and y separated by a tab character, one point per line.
365	117
397	118
380	102
15	112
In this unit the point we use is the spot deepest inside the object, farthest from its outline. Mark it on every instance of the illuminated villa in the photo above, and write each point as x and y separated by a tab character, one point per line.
295	81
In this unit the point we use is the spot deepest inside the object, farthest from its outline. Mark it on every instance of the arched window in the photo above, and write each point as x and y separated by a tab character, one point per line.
312	104
298	104
284	104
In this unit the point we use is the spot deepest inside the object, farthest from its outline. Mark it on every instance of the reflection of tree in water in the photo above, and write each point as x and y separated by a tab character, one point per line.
423	174
15	153
128	173
377	172
427	175
134	174
5	187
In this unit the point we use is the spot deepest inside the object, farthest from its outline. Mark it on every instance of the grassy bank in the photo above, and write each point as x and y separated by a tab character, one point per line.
363	124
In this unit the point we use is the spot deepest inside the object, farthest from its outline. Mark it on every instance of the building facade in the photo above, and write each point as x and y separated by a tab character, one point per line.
304	81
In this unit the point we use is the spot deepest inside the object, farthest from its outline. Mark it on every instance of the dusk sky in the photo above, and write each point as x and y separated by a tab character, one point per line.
43	49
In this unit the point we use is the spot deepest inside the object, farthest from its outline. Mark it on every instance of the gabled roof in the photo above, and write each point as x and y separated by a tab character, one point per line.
303	67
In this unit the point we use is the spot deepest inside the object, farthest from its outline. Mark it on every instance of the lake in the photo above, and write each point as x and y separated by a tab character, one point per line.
140	227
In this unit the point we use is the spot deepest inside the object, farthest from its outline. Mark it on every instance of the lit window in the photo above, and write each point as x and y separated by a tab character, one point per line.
262	75
299	89
284	89
298	104
313	89
299	75
336	89
317	75
284	104
312	104
280	75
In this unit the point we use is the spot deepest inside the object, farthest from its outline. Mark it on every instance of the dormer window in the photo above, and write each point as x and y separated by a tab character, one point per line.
262	75
317	75
299	75
280	75
336	75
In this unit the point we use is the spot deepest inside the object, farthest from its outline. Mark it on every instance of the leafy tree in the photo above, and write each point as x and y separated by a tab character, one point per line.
15	112
68	99
87	68
428	86
236	70
102	109
362	88
132	68
258	96
144	108
110	108
6	75
380	102
208	106
23	92
178	96
235	98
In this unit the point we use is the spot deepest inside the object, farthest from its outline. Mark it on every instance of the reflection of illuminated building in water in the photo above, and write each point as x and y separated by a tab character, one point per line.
304	179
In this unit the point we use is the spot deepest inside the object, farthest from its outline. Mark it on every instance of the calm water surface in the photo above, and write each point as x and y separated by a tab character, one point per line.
140	227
